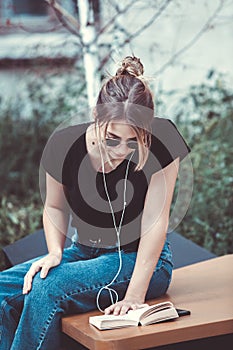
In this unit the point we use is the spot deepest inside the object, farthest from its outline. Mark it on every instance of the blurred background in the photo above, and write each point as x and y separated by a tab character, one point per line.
54	55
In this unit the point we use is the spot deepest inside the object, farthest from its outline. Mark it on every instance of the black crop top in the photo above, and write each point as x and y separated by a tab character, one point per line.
66	159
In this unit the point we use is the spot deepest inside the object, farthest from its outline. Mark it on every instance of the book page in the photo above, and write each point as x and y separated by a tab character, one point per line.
162	315
157	308
148	310
138	313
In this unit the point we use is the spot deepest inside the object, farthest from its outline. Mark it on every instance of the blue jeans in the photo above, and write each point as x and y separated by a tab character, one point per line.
32	321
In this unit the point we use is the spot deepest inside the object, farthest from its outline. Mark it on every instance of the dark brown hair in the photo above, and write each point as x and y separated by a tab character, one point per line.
126	96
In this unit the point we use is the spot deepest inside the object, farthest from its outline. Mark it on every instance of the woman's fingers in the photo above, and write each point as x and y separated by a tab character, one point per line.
29	277
44	264
122	307
117	310
36	267
114	309
44	271
109	310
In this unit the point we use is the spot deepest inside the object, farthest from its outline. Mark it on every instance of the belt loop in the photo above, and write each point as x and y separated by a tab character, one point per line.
74	237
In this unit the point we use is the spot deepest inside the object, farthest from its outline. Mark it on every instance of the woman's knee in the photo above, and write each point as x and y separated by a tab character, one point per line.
42	287
48	289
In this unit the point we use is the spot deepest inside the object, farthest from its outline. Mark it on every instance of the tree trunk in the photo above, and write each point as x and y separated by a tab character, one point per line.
90	49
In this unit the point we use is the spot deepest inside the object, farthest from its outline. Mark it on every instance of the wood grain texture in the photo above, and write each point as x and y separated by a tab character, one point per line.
204	288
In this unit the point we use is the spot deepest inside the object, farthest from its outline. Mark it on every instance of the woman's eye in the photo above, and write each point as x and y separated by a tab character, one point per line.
132	144
112	142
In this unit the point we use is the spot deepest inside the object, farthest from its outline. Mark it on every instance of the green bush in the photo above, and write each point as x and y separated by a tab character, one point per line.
26	122
18	218
205	117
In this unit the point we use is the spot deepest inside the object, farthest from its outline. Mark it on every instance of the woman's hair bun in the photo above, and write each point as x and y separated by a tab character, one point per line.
131	65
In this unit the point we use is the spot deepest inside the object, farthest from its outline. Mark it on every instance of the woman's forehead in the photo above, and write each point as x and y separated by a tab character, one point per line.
121	129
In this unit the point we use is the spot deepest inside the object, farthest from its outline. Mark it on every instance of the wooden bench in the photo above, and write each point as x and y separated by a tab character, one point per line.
205	288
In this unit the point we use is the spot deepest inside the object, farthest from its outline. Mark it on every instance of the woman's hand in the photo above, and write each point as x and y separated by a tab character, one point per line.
44	264
123	306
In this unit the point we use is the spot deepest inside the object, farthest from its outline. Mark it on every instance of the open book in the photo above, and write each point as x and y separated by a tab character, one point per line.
144	316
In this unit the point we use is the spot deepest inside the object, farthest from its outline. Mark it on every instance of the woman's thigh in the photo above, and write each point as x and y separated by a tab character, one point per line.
12	279
74	286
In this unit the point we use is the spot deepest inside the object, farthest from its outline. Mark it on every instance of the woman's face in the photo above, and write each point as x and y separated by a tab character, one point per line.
125	140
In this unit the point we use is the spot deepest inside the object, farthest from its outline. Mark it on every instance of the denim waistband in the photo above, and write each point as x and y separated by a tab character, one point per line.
89	243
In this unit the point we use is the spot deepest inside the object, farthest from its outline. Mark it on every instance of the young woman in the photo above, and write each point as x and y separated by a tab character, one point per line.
115	178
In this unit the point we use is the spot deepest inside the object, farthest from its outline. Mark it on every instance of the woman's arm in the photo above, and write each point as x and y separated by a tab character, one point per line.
154	227
55	220
55	216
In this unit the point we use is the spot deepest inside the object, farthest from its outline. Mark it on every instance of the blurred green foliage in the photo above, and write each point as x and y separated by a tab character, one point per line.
204	115
205	118
27	119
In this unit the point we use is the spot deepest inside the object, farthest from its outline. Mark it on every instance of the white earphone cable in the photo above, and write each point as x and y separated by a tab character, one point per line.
118	230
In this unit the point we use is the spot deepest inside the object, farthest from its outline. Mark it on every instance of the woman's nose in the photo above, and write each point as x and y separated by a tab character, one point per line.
123	148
